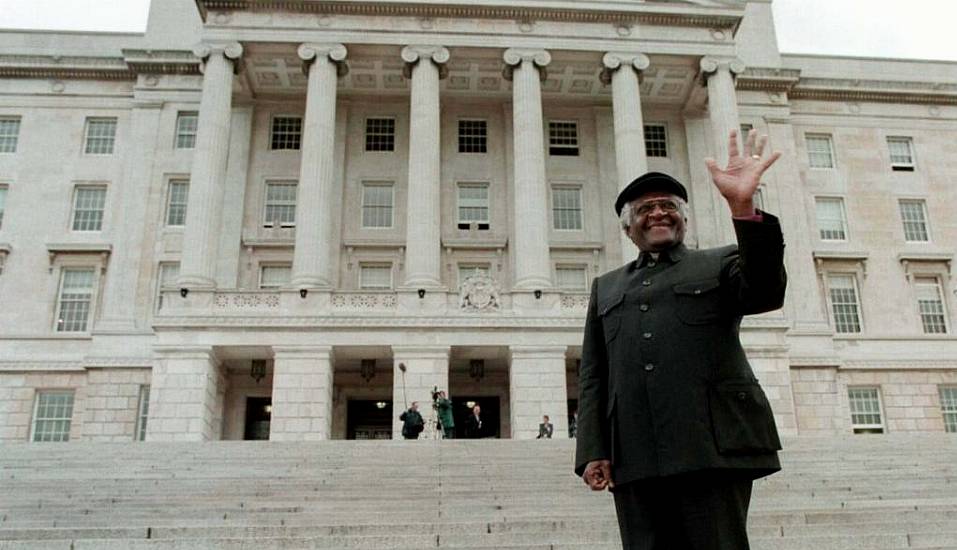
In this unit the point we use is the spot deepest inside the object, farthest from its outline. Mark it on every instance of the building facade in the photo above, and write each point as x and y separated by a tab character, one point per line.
290	220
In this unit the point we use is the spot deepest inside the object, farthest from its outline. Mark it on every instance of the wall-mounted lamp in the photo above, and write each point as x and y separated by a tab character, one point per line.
421	293
477	369
183	292
538	294
470	404
303	292
257	369
381	405
367	369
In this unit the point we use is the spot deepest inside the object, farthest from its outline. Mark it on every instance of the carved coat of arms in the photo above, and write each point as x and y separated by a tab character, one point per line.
479	293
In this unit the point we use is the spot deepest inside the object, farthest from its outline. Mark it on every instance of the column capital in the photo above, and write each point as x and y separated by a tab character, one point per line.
413	53
514	57
612	61
310	51
232	51
711	64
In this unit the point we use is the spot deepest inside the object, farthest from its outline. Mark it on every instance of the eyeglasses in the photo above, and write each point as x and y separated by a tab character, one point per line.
667	206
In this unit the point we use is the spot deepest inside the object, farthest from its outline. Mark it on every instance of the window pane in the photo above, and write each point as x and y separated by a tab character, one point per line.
820	154
76	293
563	138
900	150
168	273
186	124
377	206
914	218
930	303
830	219
473	136
656	140
844	304
54	413
9	134
286	133
280	204
100	136
275	276
142	413
380	134
375	277
3	202
88	208
571	278
473	202
567	208
865	407
176	204
948	403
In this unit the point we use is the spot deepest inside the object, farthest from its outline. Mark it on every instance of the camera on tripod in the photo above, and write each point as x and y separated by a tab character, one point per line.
435	397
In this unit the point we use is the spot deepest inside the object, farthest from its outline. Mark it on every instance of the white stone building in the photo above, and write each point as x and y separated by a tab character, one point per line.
246	220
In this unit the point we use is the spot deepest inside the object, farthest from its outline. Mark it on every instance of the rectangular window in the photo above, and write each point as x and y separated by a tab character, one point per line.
831	221
176	202
567	208
563	138
375	277
376	205
9	134
142	413
380	134
186	124
902	153
844	303
280	210
168	273
473	136
914	218
473	205
746	129
930	303
865	404
52	415
472	270
100	136
656	140
274	276
75	300
88	203
286	133
3	203
948	405
571	278
820	151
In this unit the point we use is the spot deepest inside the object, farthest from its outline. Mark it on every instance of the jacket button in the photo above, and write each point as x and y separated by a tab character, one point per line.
650	367
646	283
643	307
646	336
742	396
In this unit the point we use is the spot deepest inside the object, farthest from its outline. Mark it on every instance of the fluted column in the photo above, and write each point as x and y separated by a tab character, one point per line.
719	74
208	174
526	70
311	264
622	70
425	66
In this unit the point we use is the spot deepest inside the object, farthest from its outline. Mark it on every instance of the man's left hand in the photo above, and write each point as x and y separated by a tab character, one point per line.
740	179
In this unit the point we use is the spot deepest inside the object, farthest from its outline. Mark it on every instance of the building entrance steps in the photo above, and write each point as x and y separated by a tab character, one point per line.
867	492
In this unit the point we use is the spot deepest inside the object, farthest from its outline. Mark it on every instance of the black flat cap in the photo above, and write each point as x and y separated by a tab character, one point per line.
652	181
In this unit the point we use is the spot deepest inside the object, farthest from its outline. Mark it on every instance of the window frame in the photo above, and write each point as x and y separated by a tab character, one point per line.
484	138
15	138
88	124
579	188
362	204
169	201
77	187
159	280
902	166
286	135
376	265
858	302
938	286
366	134
924	215
4	198
263	266
831	152
91	306
35	418
487	222
553	148
569	267
867	428
265	209
818	199
947	408
142	413
178	132
667	149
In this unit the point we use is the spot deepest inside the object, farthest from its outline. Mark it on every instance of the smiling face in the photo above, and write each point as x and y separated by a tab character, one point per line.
658	222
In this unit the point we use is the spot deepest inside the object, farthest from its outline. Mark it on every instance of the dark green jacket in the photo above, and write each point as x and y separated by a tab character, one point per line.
665	387
445	413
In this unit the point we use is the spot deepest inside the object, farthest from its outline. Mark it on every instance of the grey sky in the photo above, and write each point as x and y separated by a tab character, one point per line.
877	28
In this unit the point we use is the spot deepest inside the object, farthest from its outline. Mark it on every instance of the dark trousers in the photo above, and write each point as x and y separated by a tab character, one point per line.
705	511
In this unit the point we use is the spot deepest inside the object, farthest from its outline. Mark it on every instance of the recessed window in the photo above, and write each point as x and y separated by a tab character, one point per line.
746	129
52	415
286	133
280	209
902	153
274	276
176	202
948	405
88	203
656	140
820	151
845	306
375	276
9	134
380	134
563	138
75	300
3	202
376	205
186	124
571	278
567	208
865	404
100	136
142	413
914	218
930	304
831	221
473	206
473	136
472	270
168	273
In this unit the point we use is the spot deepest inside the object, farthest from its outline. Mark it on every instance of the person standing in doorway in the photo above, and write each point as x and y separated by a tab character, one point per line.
545	429
473	424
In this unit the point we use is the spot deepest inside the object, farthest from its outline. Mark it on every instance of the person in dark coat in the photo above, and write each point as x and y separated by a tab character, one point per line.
473	424
444	407
412	423
545	429
671	417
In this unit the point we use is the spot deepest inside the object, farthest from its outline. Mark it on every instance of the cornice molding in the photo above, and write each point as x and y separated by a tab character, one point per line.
72	67
763	79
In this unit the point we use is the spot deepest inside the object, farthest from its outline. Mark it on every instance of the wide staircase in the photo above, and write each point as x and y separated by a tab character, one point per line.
875	492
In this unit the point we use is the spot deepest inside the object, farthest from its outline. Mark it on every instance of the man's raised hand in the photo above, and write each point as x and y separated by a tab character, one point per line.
740	179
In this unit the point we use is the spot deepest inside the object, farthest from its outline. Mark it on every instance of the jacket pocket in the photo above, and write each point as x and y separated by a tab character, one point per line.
741	418
609	311
698	302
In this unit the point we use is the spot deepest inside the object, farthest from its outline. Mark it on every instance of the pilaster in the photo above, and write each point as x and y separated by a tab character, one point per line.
302	393
186	395
537	387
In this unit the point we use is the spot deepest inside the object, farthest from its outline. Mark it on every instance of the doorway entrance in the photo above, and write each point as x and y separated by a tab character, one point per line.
368	419
491	414
258	416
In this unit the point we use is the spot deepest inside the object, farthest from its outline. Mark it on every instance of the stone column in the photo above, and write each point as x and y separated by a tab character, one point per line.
425	65
302	393
537	386
208	174
623	71
530	253
186	395
311	265
425	368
